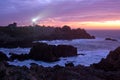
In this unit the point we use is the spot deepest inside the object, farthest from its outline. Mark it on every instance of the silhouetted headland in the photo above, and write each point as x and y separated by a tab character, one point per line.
13	36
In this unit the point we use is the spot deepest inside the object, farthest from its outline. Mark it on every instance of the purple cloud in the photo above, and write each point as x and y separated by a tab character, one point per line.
22	11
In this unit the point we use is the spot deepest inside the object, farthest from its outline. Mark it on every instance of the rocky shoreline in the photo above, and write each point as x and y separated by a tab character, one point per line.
106	69
35	72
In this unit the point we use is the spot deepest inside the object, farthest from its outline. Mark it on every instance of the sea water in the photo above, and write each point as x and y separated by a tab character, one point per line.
93	49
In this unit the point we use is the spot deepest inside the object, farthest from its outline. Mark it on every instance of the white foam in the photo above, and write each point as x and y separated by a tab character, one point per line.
94	50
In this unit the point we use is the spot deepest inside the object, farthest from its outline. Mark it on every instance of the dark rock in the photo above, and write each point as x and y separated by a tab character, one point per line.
111	63
3	57
82	54
65	51
111	39
49	53
66	33
34	66
13	36
25	44
36	72
20	57
70	64
11	44
66	28
56	67
104	65
43	51
15	44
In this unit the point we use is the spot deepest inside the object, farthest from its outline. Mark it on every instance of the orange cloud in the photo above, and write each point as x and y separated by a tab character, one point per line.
115	24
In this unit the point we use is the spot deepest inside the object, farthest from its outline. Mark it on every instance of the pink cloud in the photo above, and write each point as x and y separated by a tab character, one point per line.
61	10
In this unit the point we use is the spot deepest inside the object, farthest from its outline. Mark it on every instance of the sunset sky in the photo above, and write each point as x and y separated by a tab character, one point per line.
88	14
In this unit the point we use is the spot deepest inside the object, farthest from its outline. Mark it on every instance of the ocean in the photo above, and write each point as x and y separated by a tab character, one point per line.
105	33
93	49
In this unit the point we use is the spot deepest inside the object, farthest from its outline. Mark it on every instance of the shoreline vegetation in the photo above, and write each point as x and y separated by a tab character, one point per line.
31	33
12	36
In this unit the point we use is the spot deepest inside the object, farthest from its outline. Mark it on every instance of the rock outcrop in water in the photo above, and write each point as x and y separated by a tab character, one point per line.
44	52
47	53
110	39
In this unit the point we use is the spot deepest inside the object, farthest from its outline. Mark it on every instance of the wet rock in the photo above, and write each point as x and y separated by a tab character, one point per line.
56	67
3	57
50	53
36	72
43	51
34	66
65	51
111	63
70	64
82	54
20	57
111	39
47	53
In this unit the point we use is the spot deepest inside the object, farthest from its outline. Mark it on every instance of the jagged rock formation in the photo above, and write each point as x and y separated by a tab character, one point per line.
3	57
47	53
111	63
9	72
36	72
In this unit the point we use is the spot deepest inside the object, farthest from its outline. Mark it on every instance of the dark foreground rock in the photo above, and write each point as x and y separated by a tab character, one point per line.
10	72
36	72
47	53
111	63
3	57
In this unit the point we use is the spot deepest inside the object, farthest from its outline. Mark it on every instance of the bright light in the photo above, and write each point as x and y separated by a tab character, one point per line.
34	20
42	15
